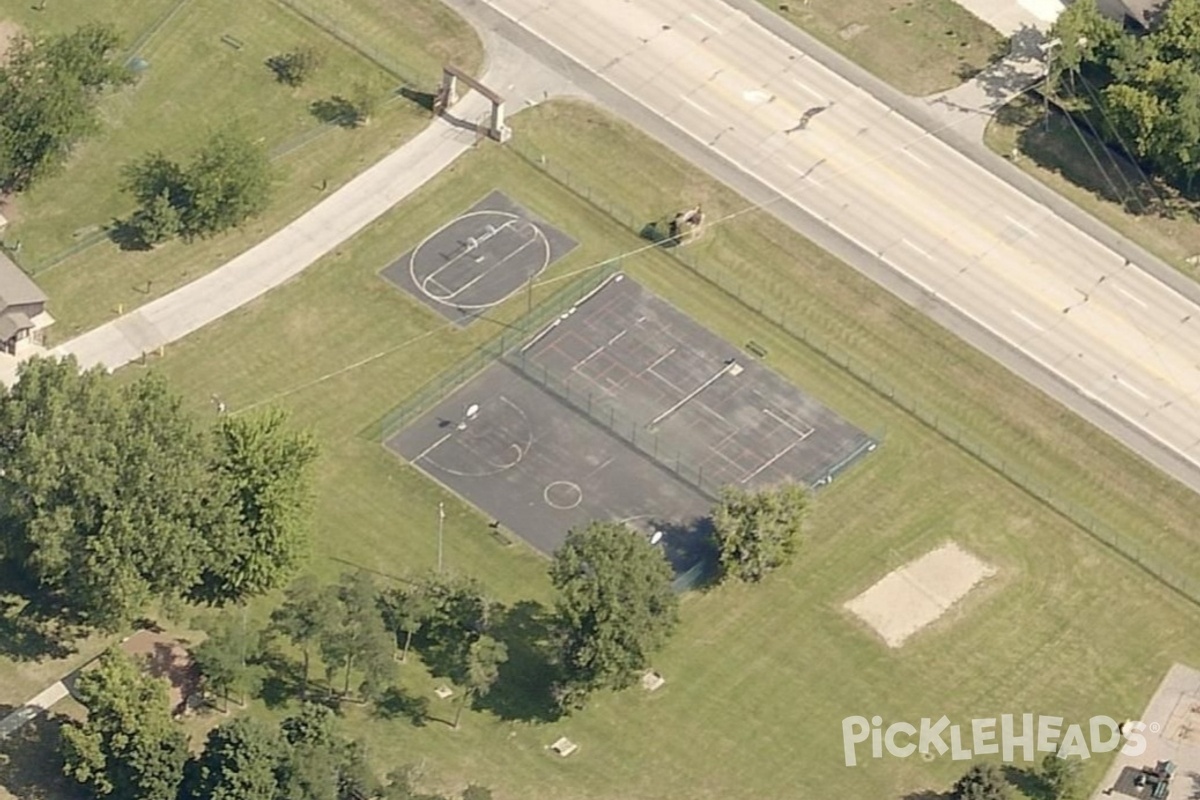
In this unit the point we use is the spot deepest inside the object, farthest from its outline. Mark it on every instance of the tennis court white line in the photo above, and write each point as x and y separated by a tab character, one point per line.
802	434
661	359
431	448
770	461
590	356
693	393
618	336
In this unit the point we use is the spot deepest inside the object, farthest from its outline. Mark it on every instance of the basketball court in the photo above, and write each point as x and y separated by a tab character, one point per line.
624	409
479	259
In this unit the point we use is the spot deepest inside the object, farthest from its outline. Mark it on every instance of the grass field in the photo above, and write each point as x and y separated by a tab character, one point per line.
198	82
759	678
1116	193
919	46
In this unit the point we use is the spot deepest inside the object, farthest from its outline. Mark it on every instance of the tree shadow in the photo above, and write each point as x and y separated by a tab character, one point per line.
1028	782
33	626
396	703
336	110
690	547
928	794
282	681
524	688
31	766
125	235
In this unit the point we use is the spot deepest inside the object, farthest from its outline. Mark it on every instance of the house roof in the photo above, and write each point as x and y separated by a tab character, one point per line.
11	322
16	289
1143	11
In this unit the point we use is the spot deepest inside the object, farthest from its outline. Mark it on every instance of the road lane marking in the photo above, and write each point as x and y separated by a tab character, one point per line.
705	23
1134	298
916	158
914	247
806	174
697	106
1026	320
1022	226
1131	387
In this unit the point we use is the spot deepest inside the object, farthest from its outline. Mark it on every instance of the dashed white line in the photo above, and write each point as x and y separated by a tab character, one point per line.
705	23
1131	387
806	174
1022	226
697	106
805	87
1134	298
1026	320
916	158
914	247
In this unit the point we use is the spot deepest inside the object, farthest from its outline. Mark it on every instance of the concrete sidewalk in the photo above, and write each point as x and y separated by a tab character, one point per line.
285	254
32	709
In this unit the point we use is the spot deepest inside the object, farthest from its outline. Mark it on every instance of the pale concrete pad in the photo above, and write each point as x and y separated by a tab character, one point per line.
1011	16
1172	733
916	594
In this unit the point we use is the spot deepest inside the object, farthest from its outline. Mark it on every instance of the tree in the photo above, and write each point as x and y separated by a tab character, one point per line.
357	635
239	762
982	782
1062	777
615	607
48	92
227	182
106	490
304	615
296	67
225	658
484	658
1084	35
319	764
156	222
758	532
404	612
459	613
265	467
129	746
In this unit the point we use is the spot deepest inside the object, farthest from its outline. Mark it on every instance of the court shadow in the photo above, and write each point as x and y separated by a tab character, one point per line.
690	547
523	690
31	766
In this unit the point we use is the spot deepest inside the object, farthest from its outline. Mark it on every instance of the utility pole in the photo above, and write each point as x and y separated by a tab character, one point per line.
441	523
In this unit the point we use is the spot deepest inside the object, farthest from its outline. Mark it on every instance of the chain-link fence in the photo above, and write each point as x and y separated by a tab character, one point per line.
514	335
777	310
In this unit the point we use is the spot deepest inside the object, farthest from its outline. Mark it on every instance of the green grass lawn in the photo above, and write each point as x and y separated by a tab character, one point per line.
758	678
1115	193
198	83
919	46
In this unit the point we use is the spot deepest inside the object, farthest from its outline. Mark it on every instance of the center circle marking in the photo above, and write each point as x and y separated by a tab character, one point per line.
563	495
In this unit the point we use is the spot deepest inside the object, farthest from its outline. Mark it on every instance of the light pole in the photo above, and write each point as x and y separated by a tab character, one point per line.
441	521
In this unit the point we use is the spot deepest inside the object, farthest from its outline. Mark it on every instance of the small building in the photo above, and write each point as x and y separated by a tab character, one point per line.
23	316
1134	14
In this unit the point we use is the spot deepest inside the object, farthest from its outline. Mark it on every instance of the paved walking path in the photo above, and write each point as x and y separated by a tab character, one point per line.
38	705
285	254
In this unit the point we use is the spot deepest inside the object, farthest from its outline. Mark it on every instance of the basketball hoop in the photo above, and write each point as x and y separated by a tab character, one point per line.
471	413
656	537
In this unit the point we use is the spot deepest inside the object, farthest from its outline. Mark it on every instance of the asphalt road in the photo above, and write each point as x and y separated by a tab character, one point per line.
1038	281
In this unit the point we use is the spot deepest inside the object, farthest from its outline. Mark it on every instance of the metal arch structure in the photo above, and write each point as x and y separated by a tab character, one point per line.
447	96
